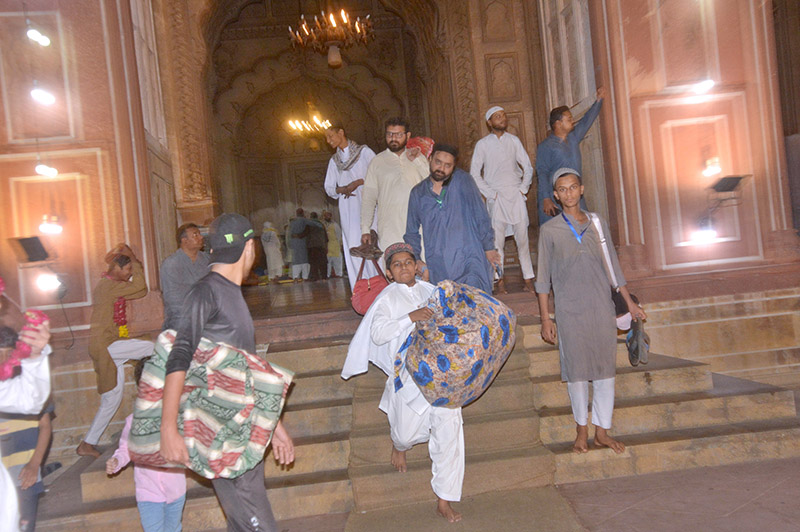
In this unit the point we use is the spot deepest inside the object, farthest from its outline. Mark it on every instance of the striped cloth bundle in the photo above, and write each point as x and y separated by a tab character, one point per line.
231	403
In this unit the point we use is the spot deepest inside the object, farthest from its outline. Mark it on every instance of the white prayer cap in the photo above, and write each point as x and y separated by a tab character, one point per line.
564	171
492	111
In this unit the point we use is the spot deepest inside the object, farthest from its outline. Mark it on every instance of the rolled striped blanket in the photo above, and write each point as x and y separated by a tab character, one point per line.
231	403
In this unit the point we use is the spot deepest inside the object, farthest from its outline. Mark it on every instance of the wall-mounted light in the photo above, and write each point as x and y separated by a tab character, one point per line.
703	86
42	96
47	282
712	167
50	225
45	171
38	37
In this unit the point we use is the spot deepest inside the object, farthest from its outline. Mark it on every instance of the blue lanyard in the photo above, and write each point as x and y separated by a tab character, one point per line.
579	237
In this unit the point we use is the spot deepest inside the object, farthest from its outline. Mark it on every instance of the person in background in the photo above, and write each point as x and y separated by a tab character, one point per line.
317	243
296	233
160	492
110	346
334	233
271	242
180	271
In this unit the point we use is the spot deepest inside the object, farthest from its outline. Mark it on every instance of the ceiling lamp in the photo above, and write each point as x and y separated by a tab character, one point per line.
315	125
331	33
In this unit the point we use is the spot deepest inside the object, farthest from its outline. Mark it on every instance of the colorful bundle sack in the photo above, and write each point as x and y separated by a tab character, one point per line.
454	357
231	403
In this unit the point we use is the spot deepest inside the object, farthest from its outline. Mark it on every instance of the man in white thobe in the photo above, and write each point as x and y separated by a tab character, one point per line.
390	177
412	420
507	176
343	182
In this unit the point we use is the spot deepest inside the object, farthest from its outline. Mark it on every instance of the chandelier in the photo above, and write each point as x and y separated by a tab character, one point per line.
330	34
314	125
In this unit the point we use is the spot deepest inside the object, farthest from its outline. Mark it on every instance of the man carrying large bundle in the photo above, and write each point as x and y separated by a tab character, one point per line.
412	419
216	310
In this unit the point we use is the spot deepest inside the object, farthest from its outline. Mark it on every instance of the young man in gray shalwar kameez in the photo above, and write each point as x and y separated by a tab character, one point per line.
571	261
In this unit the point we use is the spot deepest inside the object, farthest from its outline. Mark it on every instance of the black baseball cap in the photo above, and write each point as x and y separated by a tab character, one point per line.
227	237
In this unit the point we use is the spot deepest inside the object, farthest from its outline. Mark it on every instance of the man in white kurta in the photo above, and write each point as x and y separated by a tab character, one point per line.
412	420
344	182
390	177
507	174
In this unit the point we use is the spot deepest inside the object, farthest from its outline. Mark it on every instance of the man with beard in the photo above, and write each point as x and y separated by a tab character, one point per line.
343	182
390	177
561	149
507	176
459	240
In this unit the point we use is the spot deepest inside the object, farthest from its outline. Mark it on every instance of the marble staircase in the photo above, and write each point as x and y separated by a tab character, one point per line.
674	413
671	414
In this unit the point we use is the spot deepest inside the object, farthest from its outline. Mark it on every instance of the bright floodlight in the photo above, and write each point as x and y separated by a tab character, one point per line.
43	97
38	37
50	225
47	282
46	171
703	87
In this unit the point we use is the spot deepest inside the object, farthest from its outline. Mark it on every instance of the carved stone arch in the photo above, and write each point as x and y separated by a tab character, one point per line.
376	92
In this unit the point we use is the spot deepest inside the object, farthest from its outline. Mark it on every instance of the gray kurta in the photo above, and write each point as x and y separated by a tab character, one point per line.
587	333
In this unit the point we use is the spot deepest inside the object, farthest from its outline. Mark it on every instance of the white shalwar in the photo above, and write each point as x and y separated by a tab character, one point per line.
25	394
350	207
602	402
412	419
507	177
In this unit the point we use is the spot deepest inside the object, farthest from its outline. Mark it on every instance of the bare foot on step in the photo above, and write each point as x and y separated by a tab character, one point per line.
87	449
581	444
445	510
399	460
602	439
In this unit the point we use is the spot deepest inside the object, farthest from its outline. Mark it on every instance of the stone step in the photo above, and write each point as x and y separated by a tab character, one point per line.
663	375
731	401
753	362
314	357
739	334
318	419
329	387
518	429
510	392
722	307
311	457
380	486
544	361
324	494
682	449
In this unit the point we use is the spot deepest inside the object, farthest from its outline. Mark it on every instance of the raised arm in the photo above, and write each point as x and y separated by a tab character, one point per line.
586	121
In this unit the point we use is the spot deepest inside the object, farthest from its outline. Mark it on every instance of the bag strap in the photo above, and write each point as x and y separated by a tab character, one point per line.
361	270
606	255
378	267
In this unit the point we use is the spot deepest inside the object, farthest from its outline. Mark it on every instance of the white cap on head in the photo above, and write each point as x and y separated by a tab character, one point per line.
562	172
492	111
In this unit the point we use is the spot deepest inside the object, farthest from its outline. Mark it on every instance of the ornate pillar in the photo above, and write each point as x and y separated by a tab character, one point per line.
182	62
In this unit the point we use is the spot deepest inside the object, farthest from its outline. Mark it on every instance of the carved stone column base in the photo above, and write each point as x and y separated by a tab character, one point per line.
199	212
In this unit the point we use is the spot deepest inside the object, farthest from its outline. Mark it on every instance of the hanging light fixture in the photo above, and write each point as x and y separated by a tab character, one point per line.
330	34
314	125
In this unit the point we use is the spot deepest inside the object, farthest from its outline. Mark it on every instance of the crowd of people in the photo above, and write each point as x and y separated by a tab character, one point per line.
434	222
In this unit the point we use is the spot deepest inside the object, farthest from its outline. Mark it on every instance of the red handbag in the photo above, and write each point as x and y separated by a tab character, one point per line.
366	290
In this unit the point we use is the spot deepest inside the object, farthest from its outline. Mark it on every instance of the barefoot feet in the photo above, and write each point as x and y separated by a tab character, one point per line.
87	449
581	444
399	460
501	287
602	439
445	510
